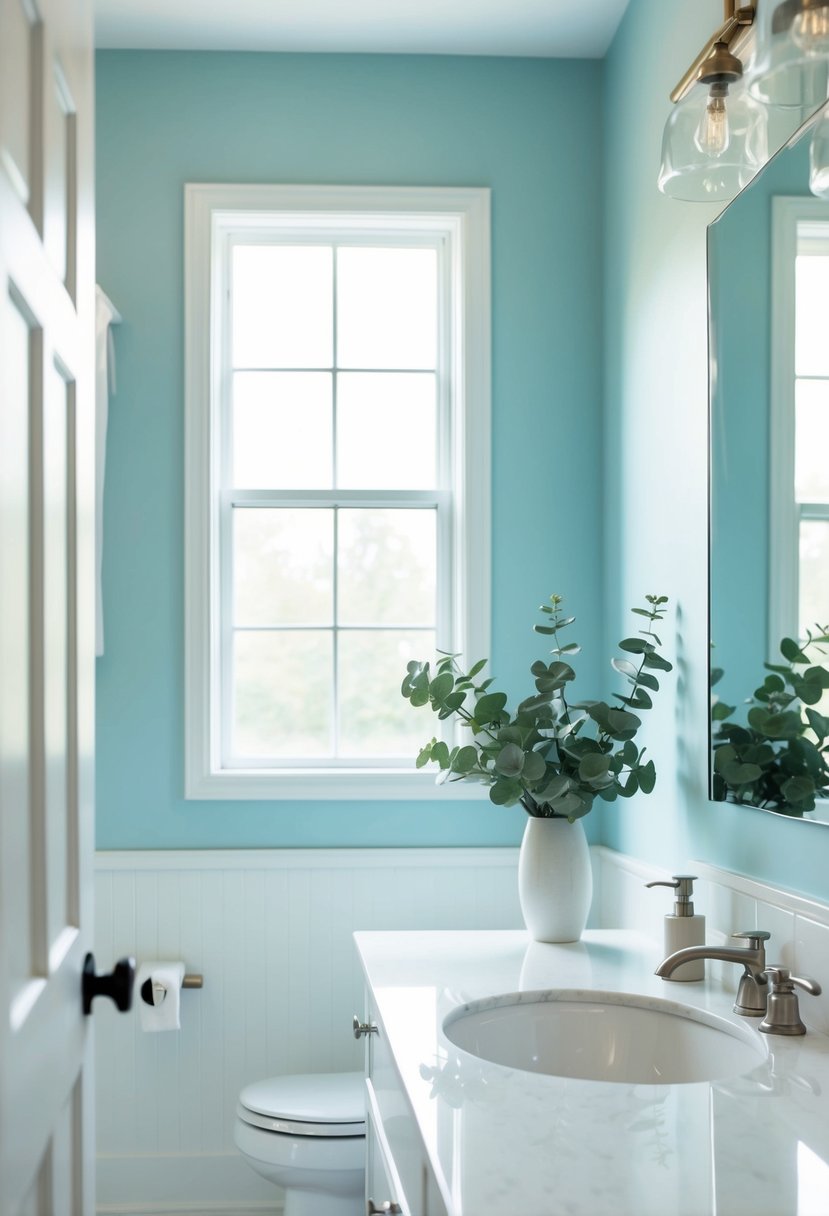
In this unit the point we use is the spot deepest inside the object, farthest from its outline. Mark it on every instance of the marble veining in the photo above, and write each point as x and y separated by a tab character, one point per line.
501	1140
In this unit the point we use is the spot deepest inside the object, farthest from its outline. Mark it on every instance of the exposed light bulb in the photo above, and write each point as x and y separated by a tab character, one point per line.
713	134
810	30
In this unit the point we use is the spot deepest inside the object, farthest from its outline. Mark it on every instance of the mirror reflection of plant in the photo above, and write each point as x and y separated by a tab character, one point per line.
544	755
779	759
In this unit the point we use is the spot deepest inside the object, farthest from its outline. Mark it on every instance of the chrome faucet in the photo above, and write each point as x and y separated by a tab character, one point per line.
752	993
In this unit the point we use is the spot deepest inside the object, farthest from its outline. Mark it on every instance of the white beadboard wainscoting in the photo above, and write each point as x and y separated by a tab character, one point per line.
270	930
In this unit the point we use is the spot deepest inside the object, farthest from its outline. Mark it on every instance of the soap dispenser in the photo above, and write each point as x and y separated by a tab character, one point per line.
683	928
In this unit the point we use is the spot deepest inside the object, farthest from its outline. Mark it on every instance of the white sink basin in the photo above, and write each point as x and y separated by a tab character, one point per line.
604	1036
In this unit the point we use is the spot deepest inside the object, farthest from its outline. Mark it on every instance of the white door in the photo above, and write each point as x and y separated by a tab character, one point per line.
46	604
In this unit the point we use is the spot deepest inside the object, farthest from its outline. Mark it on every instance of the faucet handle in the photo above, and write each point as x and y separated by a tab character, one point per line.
783	1015
782	979
754	937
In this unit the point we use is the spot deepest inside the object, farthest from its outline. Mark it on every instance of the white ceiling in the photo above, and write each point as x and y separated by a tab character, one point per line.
555	28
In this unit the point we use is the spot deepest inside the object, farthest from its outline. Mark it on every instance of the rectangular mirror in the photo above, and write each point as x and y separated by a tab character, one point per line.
768	292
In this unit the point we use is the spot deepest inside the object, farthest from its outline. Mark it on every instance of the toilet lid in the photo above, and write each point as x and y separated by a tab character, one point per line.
314	1104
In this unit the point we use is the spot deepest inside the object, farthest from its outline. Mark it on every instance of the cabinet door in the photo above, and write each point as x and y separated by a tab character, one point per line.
382	1179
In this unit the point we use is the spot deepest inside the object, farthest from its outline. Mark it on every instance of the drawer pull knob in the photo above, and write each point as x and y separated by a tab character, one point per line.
389	1208
360	1029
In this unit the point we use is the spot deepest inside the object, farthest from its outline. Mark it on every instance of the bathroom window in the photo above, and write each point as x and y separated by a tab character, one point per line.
337	479
799	581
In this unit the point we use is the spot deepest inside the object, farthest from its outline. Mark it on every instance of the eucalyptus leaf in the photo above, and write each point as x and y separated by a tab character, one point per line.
534	768
791	650
656	661
635	645
624	667
559	785
594	765
817	675
440	753
465	759
490	707
798	789
505	792
441	686
622	725
647	777
510	760
567	804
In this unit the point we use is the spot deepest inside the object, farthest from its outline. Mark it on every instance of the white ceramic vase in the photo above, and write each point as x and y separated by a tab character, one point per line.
555	881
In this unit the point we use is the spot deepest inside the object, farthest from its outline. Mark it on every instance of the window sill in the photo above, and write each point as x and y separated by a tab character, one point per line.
266	785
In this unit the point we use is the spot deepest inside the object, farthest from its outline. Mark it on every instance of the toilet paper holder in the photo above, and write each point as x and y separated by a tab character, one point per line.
193	980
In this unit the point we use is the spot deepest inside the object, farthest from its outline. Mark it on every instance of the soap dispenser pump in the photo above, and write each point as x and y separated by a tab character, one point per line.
683	928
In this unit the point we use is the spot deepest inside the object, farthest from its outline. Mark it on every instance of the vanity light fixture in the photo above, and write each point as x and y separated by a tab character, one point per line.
715	138
791	65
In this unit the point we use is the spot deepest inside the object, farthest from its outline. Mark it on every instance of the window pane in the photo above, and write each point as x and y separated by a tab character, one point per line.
812	292
387	308
386	430
811	441
282	430
375	719
282	702
386	567
814	575
283	566
282	306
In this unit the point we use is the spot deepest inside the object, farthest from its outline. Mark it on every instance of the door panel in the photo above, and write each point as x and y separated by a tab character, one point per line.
47	606
17	37
57	168
14	630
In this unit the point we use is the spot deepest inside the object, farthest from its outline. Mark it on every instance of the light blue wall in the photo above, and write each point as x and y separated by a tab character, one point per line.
528	129
656	458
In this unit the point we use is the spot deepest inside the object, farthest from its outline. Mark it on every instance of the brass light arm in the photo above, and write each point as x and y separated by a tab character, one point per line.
735	27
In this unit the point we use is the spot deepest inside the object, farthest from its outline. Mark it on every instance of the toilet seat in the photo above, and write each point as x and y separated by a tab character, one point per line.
317	1104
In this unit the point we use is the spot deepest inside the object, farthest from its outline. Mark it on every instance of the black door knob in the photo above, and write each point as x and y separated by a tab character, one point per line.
117	985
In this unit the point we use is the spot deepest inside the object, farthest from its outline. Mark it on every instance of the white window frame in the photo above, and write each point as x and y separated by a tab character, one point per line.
461	217
785	513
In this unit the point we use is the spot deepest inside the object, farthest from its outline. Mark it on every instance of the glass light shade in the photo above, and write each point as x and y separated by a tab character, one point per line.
791	64
711	150
819	157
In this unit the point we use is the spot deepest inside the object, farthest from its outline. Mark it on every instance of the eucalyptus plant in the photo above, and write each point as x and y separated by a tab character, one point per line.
779	759
551	755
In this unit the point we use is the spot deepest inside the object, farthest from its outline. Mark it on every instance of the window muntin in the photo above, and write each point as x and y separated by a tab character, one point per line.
247	490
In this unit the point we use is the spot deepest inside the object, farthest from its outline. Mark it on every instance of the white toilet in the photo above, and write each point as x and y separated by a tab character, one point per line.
308	1135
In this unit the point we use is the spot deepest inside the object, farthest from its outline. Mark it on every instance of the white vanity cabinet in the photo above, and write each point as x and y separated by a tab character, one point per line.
451	1133
397	1172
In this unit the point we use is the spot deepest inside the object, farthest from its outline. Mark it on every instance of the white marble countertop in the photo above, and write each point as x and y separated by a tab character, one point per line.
502	1141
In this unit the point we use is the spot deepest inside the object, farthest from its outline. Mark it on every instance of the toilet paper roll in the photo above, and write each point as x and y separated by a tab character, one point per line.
165	981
